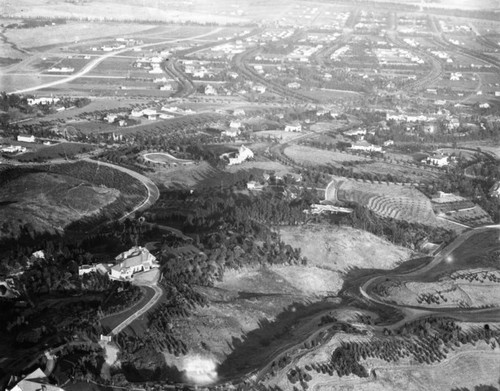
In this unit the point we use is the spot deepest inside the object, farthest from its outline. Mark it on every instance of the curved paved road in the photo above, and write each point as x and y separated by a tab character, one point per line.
440	257
153	192
147	306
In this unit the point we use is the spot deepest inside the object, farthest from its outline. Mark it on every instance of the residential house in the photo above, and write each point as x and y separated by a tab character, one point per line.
439	161
366	146
135	260
210	90
111	118
136	113
235	125
13	149
355	132
295	127
259	88
231	132
26	139
243	154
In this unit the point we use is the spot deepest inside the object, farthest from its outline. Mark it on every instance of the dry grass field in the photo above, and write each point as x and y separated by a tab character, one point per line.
341	248
180	177
268	166
49	202
315	156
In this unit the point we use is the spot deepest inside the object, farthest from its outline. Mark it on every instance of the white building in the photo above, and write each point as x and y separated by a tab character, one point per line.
235	124
439	161
243	154
355	132
366	146
26	139
210	90
13	149
135	260
295	127
136	113
232	132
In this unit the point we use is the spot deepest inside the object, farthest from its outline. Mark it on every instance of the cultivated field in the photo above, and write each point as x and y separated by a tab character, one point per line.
388	200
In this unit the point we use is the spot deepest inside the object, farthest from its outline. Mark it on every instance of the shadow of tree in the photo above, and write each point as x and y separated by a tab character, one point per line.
252	350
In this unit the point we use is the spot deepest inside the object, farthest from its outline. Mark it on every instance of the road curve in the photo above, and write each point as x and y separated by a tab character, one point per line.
440	257
153	192
158	294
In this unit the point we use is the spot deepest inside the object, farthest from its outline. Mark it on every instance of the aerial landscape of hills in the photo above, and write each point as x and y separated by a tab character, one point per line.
250	195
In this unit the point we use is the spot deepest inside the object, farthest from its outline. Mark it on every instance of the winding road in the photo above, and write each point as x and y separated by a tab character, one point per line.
442	256
147	306
152	190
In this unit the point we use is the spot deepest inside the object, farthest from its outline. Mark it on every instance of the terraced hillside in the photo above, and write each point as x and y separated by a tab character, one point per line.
387	200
